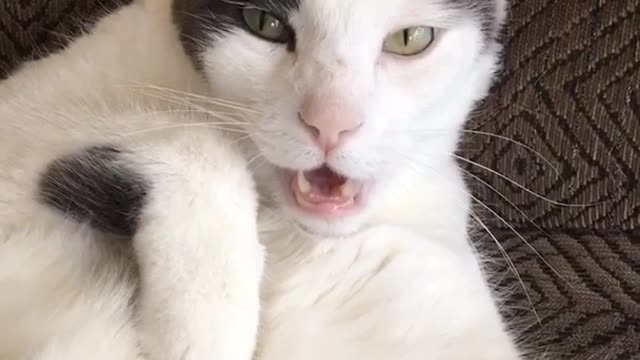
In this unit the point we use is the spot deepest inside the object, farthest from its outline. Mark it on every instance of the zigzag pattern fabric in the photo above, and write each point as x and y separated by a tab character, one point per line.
571	92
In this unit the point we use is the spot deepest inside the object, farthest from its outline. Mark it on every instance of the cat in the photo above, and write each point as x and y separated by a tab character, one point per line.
238	179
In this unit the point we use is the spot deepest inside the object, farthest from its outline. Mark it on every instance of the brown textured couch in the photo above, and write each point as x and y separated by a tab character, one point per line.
569	100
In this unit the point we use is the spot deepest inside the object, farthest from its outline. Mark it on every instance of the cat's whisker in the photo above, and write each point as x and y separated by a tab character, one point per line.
256	162
500	137
254	158
509	261
183	94
181	112
512	204
420	168
232	2
182	101
196	17
257	166
210	125
205	99
522	187
230	120
241	138
201	104
199	42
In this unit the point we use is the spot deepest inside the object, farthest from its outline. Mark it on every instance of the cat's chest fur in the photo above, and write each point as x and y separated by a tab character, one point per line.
367	295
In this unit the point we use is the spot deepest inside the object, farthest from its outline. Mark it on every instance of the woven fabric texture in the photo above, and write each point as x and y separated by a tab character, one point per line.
570	92
554	160
582	298
553	157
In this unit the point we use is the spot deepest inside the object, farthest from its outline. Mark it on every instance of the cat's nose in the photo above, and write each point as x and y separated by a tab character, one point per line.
330	121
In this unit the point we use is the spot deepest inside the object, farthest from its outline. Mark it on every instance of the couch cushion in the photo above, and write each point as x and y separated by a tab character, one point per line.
583	292
571	92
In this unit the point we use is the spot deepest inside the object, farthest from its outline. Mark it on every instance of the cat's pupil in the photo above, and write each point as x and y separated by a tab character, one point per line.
406	35
262	20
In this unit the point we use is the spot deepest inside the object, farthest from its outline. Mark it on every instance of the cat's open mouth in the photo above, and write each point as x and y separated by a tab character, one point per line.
326	193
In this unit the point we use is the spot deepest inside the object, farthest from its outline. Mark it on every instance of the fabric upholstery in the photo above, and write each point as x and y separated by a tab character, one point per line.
570	91
568	177
553	158
584	287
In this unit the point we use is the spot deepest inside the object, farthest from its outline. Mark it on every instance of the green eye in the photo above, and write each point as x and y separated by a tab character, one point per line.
265	25
409	41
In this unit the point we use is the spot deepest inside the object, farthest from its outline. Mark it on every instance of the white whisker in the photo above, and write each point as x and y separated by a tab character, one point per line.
520	186
420	168
535	251
210	125
501	137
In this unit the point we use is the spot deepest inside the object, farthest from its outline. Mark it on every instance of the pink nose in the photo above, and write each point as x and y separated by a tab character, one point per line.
329	121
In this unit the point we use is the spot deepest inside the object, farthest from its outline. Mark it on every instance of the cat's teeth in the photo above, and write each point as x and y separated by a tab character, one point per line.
347	190
303	184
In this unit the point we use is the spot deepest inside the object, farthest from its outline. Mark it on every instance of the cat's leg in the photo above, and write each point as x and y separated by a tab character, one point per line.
200	259
189	202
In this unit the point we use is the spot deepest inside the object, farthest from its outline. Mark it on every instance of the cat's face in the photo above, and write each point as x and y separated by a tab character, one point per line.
345	95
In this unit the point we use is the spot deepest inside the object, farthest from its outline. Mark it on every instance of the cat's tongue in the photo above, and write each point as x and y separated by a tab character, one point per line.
324	191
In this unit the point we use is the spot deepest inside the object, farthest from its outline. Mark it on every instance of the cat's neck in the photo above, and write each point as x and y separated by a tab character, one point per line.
434	204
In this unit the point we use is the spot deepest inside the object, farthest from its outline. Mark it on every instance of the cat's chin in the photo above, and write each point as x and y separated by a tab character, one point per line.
322	228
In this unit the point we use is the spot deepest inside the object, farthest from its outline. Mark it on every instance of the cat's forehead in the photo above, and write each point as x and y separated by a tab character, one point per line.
199	19
284	6
478	8
220	13
335	15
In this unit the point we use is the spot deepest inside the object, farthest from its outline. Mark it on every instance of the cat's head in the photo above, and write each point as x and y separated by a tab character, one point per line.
345	95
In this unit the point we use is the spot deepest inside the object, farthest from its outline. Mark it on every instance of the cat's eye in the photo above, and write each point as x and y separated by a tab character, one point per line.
265	25
410	41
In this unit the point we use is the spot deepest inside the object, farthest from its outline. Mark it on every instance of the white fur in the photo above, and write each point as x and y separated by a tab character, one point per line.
399	281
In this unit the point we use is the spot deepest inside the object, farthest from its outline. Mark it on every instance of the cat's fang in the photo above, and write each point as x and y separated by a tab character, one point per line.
347	190
315	193
303	184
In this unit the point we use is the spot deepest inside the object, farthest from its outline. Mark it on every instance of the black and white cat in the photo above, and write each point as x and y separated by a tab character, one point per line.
302	202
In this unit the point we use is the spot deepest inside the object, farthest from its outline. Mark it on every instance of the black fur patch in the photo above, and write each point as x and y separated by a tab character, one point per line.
484	12
199	19
96	187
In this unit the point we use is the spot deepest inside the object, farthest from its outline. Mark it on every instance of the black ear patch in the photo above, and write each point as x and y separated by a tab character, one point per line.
97	187
485	12
198	20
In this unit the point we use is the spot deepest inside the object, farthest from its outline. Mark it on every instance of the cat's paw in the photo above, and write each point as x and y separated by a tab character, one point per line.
218	342
198	252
